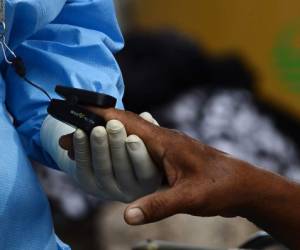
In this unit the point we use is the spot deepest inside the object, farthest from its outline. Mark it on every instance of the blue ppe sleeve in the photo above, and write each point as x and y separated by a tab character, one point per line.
75	49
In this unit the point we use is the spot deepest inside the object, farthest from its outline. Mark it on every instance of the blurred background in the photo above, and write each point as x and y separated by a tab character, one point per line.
226	72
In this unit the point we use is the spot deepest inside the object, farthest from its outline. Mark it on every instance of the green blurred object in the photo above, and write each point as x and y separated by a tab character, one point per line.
287	57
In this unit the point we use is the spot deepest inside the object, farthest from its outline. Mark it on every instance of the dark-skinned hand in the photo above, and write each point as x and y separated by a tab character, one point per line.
204	181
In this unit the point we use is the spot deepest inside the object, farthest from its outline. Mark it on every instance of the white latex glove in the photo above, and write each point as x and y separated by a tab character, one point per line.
110	165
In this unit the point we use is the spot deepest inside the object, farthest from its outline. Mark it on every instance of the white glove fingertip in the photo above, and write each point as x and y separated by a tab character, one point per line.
81	145
114	126
148	117
99	135
79	136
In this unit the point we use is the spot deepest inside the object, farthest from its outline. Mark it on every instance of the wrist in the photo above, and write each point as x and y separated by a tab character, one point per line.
258	187
274	205
266	194
245	189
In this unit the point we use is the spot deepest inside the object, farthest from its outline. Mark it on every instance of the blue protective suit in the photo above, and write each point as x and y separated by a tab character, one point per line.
68	42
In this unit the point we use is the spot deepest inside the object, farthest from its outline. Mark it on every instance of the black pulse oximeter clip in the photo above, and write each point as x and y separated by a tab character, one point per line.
72	112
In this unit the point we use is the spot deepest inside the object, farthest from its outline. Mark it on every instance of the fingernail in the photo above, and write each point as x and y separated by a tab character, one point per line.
135	216
99	135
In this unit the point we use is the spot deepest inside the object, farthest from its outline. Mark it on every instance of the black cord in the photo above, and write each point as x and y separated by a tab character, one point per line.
20	70
37	87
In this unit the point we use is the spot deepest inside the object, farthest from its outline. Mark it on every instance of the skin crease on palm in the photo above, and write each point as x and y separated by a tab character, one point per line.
204	181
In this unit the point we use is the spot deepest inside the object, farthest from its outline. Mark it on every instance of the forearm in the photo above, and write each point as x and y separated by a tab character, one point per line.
273	203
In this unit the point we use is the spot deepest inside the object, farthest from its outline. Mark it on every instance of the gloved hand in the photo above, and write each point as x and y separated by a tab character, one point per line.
109	164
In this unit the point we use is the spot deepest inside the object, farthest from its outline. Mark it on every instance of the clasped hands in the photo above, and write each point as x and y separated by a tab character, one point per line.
198	175
202	181
112	165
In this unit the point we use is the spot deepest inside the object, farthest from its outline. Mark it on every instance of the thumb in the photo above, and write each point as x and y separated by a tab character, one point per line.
154	207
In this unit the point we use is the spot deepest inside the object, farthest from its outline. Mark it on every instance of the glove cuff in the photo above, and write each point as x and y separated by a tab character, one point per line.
51	131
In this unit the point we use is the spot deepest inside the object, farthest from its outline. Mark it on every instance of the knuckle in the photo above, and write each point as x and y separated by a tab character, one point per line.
127	112
155	205
179	134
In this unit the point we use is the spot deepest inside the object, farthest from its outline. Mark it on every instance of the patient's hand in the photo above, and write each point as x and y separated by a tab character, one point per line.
202	180
206	182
